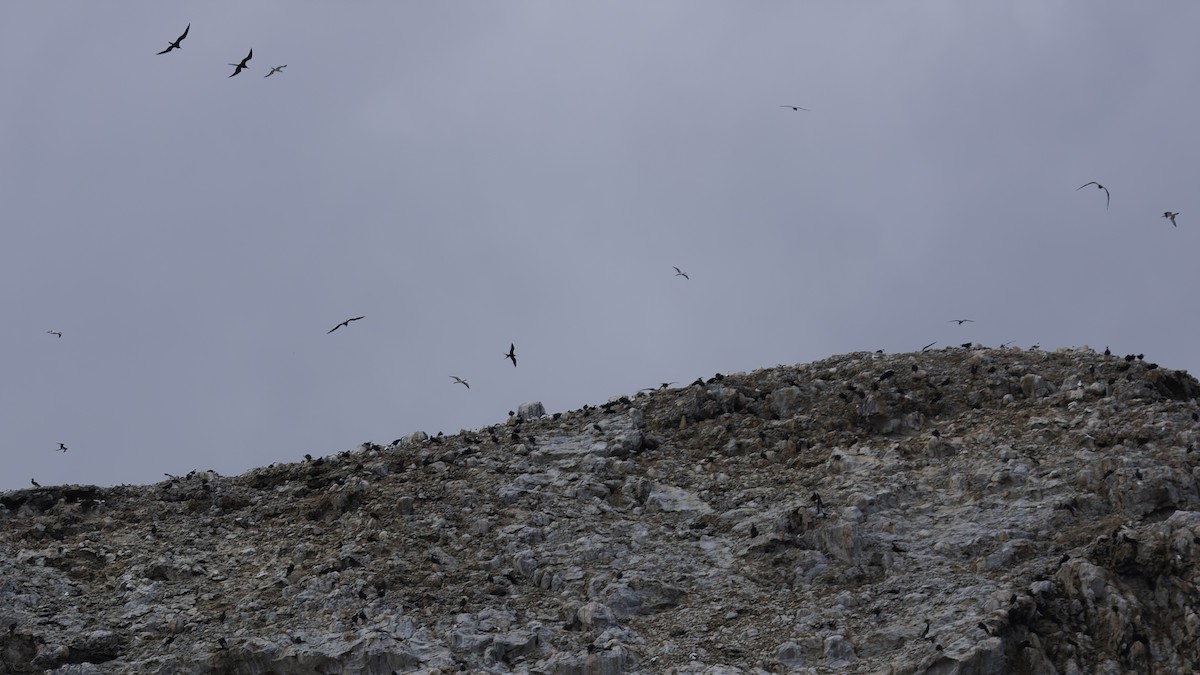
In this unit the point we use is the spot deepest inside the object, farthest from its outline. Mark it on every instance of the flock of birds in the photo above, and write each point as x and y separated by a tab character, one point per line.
237	67
511	354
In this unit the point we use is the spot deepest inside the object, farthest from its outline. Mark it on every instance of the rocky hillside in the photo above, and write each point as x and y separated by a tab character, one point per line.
964	510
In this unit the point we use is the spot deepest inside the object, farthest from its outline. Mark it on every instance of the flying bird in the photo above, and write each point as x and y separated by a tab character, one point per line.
1107	196
795	107
461	381
1170	216
239	66
62	447
961	321
175	44
512	354
681	273
275	69
345	323
55	332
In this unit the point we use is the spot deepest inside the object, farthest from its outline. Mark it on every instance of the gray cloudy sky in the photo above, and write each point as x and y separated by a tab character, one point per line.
470	174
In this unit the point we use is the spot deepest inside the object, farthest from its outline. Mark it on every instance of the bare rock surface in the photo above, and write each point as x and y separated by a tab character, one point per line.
965	510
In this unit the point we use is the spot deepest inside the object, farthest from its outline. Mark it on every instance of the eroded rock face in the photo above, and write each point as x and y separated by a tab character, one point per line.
953	511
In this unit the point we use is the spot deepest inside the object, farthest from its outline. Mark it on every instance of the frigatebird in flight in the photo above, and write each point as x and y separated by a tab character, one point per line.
62	447
681	273
795	107
344	323
961	321
1107	196
175	44
55	332
461	381
239	66
1171	216
512	354
276	69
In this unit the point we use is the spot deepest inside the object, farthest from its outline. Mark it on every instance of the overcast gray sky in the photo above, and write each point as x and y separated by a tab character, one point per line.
470	174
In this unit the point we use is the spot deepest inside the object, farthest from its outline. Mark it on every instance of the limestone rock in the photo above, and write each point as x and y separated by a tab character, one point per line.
952	511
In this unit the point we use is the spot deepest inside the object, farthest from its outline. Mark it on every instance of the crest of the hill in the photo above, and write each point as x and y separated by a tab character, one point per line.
962	510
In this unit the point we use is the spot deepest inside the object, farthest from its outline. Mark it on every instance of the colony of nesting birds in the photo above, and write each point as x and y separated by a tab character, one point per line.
957	510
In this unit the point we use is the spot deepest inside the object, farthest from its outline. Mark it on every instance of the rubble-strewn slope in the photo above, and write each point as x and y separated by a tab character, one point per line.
953	511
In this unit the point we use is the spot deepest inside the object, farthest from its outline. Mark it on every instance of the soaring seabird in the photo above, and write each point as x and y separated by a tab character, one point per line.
512	354
55	332
239	66
461	381
681	273
175	44
276	69
961	321
62	447
347	321
795	107
1107	196
1170	216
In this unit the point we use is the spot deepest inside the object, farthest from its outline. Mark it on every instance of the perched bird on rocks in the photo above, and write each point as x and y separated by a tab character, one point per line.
1107	196
238	67
344	323
35	483
461	381
820	503
175	44
1171	216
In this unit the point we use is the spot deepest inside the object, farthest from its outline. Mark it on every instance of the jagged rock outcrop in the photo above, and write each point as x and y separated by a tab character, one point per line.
964	510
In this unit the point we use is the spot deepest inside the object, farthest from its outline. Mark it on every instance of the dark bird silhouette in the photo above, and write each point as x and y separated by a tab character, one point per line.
512	354
238	67
62	447
1107	196
55	332
344	323
175	44
681	273
925	632
276	69
961	321
461	381
795	107
1171	216
820	503
35	483
926	347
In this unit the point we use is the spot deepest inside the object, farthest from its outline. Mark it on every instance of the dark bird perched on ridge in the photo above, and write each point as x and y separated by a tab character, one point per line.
175	44
820	503
512	354
1107	196
1171	216
344	323
239	66
35	483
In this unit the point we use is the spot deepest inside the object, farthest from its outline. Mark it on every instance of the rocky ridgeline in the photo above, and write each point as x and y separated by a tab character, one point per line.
965	510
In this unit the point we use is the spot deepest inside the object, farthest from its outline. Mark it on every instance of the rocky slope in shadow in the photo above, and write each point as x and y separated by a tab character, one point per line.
964	510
